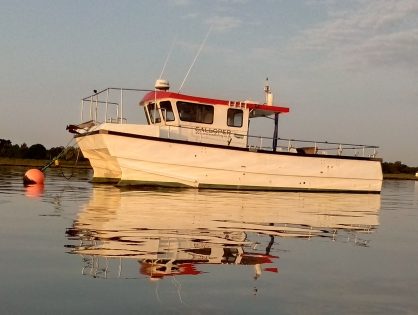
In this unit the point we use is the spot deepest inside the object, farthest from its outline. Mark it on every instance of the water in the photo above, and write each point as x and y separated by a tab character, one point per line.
76	248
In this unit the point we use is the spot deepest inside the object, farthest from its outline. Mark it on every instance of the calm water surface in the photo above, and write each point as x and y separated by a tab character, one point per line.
76	248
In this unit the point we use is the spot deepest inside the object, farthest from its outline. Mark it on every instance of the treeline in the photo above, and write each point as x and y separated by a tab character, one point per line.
36	151
398	168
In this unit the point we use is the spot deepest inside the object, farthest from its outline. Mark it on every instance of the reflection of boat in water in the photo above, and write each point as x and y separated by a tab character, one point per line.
170	232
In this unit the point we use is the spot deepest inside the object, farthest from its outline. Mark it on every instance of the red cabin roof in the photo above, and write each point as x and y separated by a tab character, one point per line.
158	95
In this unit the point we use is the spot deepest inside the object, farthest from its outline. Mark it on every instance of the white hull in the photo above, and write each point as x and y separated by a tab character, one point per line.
145	160
105	167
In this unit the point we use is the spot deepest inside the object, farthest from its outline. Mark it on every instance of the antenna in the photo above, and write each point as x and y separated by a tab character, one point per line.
168	57
268	93
195	58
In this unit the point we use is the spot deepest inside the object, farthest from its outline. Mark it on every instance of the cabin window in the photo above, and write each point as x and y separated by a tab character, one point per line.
167	111
193	112
154	114
234	117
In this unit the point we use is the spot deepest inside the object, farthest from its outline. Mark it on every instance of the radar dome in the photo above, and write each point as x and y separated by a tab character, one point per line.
162	85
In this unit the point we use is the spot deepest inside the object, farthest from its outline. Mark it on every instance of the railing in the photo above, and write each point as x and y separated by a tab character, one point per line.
313	147
257	143
107	99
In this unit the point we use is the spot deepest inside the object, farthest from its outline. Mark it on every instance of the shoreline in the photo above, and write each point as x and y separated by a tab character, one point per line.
40	163
400	176
86	165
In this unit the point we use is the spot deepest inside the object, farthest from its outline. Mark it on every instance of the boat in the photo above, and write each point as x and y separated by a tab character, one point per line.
199	142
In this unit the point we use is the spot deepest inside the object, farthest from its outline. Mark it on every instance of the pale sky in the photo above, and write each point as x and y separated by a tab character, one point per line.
348	70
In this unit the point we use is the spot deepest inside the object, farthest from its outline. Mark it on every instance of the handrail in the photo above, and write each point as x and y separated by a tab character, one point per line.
97	98
87	98
319	147
327	142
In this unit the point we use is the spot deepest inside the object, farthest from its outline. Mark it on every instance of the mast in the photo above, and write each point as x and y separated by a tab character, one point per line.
275	132
269	101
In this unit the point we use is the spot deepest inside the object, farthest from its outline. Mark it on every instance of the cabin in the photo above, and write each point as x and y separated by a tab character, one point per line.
204	120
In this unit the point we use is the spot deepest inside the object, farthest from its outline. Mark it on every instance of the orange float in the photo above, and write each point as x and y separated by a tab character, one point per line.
33	176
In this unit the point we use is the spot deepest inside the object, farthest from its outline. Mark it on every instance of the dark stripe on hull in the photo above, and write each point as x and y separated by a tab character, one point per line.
105	180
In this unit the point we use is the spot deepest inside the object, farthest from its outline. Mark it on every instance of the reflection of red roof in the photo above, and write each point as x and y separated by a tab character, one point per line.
254	258
158	271
189	269
158	95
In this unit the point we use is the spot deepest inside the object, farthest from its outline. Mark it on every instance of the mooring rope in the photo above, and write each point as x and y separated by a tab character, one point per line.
58	156
64	151
73	168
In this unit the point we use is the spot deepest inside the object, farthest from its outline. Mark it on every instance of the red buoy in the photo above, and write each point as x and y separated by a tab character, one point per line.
33	176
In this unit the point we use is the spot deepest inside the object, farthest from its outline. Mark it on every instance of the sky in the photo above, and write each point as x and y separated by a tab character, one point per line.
348	70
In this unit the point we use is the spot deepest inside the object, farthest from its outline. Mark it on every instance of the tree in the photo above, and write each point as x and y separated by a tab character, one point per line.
397	168
15	151
36	151
54	152
23	150
5	146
